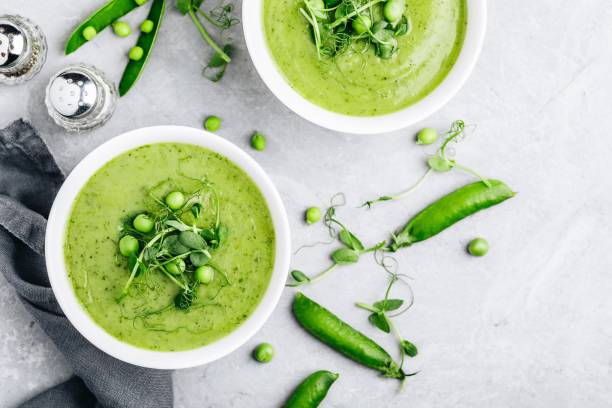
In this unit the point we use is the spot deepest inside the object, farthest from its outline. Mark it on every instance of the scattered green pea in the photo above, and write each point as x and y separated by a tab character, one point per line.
89	33
136	53
212	123
140	2
175	200
175	267
147	26
478	247
263	353
362	24
427	136
128	245
313	214
143	223
204	274
258	141
122	29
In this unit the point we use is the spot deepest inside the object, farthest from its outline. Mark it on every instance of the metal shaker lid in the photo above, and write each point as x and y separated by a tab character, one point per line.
13	44
73	93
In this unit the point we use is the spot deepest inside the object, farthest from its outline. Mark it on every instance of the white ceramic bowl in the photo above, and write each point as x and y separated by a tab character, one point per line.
253	25
56	267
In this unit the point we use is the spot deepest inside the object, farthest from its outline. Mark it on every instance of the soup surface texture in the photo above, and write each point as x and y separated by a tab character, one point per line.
146	318
357	82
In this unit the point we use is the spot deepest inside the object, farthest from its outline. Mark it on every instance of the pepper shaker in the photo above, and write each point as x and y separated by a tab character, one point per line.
79	97
23	49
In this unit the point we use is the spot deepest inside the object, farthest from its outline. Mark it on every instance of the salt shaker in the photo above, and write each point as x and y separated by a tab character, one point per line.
79	97
23	49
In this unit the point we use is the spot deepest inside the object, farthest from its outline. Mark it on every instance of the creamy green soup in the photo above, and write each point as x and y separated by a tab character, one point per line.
146	317
357	82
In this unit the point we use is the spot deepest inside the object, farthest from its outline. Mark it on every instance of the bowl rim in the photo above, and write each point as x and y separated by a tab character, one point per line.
254	34
62	287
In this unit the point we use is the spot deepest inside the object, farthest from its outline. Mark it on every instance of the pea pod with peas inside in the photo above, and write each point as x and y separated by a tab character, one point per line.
450	209
311	392
340	336
146	41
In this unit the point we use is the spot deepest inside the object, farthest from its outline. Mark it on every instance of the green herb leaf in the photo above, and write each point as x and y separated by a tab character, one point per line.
439	164
299	276
215	69
402	27
183	6
389	304
350	240
380	320
409	348
345	256
199	258
222	233
185	299
196	209
192	240
150	253
174	246
178	225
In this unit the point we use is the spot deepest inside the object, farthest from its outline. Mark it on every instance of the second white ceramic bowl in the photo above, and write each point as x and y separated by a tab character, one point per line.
62	287
254	33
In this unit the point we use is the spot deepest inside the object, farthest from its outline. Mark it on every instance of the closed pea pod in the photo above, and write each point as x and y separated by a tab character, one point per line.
450	209
332	331
311	392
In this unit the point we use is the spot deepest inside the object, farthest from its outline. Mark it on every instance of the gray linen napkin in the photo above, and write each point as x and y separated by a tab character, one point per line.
29	180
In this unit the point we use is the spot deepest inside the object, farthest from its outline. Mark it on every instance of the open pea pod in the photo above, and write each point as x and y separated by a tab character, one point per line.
99	20
146	41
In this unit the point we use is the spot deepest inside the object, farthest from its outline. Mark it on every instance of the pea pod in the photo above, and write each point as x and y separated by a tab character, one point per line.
450	209
332	331
146	41
311	392
102	18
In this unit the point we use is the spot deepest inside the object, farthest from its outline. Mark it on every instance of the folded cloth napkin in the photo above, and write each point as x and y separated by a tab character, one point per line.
29	180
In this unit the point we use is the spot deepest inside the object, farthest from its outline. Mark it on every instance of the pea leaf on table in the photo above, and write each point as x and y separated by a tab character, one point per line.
409	348
380	320
215	69
199	258
439	164
191	240
299	276
345	256
350	240
389	304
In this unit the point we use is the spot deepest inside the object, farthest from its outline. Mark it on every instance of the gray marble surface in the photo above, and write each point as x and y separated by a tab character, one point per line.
528	325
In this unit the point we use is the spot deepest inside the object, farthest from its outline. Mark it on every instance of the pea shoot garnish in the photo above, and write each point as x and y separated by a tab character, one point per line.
337	25
173	240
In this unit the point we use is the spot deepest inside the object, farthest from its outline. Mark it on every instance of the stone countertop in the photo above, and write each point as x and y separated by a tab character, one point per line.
528	325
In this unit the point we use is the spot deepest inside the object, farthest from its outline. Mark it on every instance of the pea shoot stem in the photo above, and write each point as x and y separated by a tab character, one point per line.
316	278
403	194
207	37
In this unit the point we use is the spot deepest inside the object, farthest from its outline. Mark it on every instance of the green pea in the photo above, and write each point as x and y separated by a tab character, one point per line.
427	136
175	200
258	141
136	53
89	33
140	2
362	24
147	26
122	29
478	247
313	214
143	223
394	10
212	123
263	353
175	267
128	245
204	274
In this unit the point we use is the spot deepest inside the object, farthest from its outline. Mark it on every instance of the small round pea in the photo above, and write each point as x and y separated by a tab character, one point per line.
122	29
204	274
147	26
175	267
136	53
140	2
89	33
362	24
143	223
175	200
263	353
212	123
313	214
478	247
128	245
393	10
427	136
258	141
